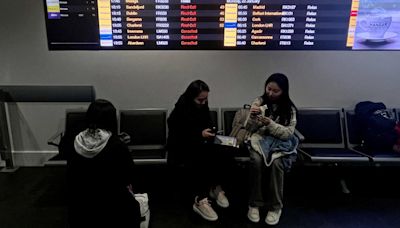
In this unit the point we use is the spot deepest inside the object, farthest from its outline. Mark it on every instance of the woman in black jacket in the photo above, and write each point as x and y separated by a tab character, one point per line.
99	172
190	138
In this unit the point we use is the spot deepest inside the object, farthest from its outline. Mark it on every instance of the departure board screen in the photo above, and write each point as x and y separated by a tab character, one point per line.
223	24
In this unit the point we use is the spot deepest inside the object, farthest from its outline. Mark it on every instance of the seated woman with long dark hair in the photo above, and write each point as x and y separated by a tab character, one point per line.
100	173
273	147
189	136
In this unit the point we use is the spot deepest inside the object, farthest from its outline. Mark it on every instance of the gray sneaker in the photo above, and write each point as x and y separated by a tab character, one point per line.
204	209
219	195
253	214
273	217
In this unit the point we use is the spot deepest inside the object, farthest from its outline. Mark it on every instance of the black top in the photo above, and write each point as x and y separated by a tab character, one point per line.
185	125
97	187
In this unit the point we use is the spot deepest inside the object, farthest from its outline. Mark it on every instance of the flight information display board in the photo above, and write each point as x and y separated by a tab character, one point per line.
223	24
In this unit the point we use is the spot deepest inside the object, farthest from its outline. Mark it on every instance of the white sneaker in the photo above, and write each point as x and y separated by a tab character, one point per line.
253	214
273	217
204	209
219	196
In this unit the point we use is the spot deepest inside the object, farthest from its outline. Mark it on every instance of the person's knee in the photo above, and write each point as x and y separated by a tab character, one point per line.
277	165
256	160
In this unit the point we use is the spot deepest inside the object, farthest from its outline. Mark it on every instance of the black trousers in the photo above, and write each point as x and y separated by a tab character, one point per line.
204	167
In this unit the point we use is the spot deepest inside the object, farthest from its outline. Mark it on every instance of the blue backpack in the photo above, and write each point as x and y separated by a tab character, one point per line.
375	125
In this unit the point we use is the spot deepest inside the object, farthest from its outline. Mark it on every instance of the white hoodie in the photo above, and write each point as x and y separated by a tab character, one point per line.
89	143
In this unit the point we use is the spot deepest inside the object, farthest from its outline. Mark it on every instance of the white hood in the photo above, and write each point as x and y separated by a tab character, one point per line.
89	143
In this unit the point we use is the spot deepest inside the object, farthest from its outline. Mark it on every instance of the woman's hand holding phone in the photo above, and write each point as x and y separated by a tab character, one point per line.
208	133
255	110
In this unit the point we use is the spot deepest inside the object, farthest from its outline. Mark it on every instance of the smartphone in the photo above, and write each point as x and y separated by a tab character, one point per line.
264	110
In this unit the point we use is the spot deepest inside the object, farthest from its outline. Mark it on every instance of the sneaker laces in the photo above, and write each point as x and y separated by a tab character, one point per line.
254	210
253	214
204	201
274	214
205	205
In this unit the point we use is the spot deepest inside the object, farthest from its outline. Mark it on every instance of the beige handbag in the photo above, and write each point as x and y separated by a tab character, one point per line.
239	130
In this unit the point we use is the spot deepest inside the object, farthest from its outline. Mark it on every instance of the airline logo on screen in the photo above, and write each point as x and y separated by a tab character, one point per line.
53	9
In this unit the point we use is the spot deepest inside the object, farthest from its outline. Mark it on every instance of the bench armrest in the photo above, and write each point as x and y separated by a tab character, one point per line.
55	139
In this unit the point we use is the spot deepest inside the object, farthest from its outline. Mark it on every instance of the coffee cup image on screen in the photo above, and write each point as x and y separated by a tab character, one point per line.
375	27
378	25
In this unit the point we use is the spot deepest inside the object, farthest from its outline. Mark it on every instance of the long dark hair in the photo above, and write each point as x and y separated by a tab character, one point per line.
102	114
192	91
284	103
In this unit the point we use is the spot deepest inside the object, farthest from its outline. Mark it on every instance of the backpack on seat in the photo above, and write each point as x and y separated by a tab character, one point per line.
238	125
376	125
